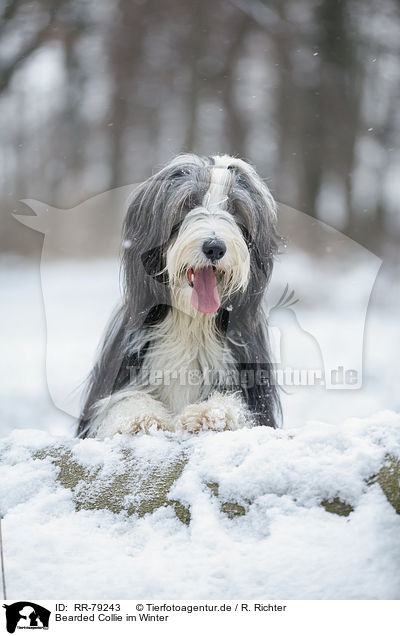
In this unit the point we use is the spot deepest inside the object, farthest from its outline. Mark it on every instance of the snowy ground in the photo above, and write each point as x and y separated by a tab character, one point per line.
285	545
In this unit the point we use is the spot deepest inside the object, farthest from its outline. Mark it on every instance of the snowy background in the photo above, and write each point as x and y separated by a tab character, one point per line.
282	543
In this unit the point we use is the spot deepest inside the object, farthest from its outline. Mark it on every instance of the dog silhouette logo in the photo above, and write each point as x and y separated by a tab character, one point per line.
295	347
26	615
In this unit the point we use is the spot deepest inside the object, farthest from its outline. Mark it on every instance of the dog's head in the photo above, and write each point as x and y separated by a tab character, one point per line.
203	229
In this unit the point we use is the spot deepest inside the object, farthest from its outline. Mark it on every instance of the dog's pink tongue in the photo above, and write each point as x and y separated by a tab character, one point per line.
205	297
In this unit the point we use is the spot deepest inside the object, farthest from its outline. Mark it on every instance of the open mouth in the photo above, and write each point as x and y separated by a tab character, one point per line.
205	296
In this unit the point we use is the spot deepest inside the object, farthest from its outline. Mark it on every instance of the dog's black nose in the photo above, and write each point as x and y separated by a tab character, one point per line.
214	249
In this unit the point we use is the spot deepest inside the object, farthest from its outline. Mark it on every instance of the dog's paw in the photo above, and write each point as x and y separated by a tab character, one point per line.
133	414
140	424
218	413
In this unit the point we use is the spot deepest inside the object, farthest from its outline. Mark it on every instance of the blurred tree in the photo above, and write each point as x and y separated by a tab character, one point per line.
98	94
340	94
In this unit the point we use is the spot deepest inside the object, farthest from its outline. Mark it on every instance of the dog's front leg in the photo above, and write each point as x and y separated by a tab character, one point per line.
220	412
129	412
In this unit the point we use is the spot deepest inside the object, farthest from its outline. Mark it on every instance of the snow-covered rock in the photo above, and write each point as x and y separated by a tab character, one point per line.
255	513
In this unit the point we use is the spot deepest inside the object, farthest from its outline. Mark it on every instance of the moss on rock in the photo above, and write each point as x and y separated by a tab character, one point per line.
132	488
337	507
389	480
231	509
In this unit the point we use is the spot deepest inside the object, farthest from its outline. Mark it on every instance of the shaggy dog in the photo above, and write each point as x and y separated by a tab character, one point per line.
188	348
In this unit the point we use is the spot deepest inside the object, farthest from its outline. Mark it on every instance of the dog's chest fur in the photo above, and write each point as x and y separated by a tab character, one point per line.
186	360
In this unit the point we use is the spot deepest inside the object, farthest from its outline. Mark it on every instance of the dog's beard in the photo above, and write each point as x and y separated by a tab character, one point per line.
198	284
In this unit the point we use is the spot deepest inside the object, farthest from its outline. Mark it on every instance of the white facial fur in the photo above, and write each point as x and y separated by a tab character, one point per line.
210	220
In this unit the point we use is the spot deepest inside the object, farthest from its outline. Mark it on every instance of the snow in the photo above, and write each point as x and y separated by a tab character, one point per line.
77	540
286	545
